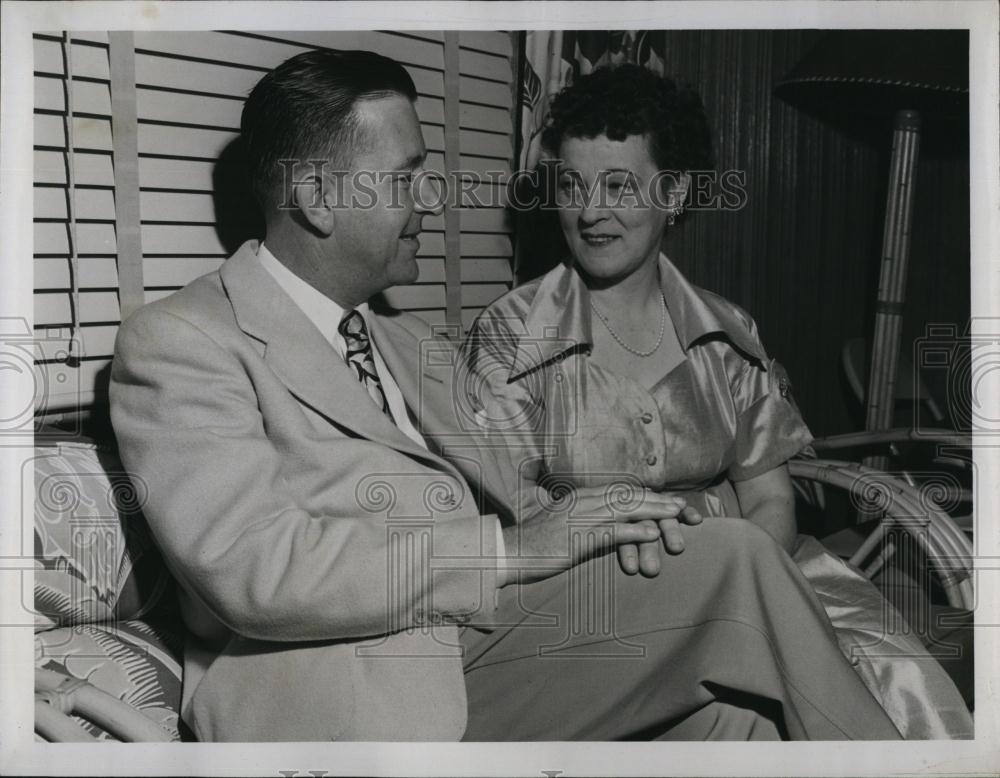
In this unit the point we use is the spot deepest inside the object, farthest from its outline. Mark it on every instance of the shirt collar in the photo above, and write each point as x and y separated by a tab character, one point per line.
323	312
559	317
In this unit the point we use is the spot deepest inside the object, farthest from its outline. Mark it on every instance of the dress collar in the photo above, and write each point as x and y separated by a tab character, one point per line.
559	317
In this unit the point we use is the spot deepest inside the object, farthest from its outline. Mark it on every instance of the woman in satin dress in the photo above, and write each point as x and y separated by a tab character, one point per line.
612	367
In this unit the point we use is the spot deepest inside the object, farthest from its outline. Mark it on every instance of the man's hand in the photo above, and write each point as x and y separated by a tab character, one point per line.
587	522
645	557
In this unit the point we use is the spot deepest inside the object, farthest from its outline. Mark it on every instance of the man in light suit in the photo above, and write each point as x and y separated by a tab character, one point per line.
339	578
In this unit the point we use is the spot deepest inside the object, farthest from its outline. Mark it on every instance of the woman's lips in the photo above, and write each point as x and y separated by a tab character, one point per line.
598	240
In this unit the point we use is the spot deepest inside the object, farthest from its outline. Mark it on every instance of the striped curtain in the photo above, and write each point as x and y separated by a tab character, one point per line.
552	60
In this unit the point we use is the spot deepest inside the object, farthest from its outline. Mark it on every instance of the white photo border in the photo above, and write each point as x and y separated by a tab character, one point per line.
22	755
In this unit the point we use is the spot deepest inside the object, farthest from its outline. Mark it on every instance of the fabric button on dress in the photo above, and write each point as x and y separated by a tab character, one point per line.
651	460
647	418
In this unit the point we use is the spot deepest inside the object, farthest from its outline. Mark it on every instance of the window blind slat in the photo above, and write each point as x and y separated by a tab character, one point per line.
88	134
90	169
89	97
54	273
487	92
484	144
481	295
408	51
486	270
50	203
233	80
53	238
489	41
53	308
486	66
88	61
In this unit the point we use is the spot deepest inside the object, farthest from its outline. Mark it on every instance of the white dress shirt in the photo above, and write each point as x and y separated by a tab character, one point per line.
326	315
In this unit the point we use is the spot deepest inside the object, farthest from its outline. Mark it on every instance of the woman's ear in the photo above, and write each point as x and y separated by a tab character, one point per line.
313	201
677	195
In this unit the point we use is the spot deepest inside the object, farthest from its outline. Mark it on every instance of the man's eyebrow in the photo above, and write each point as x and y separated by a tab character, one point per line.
411	162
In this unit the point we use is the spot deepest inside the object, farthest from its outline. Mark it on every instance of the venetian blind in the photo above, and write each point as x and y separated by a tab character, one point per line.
189	93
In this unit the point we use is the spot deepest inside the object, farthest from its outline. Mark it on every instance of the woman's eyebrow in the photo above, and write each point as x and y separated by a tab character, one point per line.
604	171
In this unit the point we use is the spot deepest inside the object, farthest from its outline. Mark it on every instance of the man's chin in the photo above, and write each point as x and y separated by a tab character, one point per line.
407	272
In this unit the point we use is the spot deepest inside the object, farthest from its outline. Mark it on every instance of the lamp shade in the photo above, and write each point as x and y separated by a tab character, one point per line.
878	72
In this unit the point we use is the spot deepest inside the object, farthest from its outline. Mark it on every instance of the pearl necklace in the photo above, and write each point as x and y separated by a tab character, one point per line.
626	346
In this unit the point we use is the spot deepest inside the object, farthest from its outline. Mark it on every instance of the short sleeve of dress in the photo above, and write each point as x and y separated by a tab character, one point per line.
769	427
503	414
496	405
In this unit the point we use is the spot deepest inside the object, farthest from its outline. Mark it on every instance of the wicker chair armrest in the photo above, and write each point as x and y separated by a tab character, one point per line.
63	695
896	435
948	549
57	727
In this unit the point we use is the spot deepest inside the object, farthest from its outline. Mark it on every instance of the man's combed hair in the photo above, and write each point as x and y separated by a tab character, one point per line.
304	109
631	100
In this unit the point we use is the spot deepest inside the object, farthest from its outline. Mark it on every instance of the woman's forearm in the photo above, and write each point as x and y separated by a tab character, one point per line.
777	518
768	500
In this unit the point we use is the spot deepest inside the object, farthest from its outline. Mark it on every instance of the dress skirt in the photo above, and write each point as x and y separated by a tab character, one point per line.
729	641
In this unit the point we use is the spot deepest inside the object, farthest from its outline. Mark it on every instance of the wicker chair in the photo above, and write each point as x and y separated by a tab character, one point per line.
57	696
107	635
908	507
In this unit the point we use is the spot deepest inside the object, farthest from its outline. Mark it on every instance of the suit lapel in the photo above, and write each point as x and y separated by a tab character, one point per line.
300	356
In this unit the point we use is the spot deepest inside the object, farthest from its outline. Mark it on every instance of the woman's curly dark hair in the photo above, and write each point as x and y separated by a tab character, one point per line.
631	100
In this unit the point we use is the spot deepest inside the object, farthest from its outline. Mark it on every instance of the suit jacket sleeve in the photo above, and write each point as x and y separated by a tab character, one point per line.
192	432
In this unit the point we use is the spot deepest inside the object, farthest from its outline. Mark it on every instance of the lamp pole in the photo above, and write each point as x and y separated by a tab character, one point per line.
892	280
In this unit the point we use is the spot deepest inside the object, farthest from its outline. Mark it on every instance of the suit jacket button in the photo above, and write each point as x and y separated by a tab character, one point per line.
651	460
647	418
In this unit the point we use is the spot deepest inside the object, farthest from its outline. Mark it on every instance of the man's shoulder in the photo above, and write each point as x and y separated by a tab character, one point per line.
199	309
408	329
202	302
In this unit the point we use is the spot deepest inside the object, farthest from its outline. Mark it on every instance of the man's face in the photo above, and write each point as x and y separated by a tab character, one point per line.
377	221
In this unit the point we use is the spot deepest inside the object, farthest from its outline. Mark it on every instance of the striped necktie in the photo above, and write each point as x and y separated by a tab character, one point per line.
361	358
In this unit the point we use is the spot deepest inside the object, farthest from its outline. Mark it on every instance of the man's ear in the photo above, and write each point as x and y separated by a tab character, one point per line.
314	201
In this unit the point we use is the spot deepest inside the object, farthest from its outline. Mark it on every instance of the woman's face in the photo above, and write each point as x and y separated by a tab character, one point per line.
611	222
